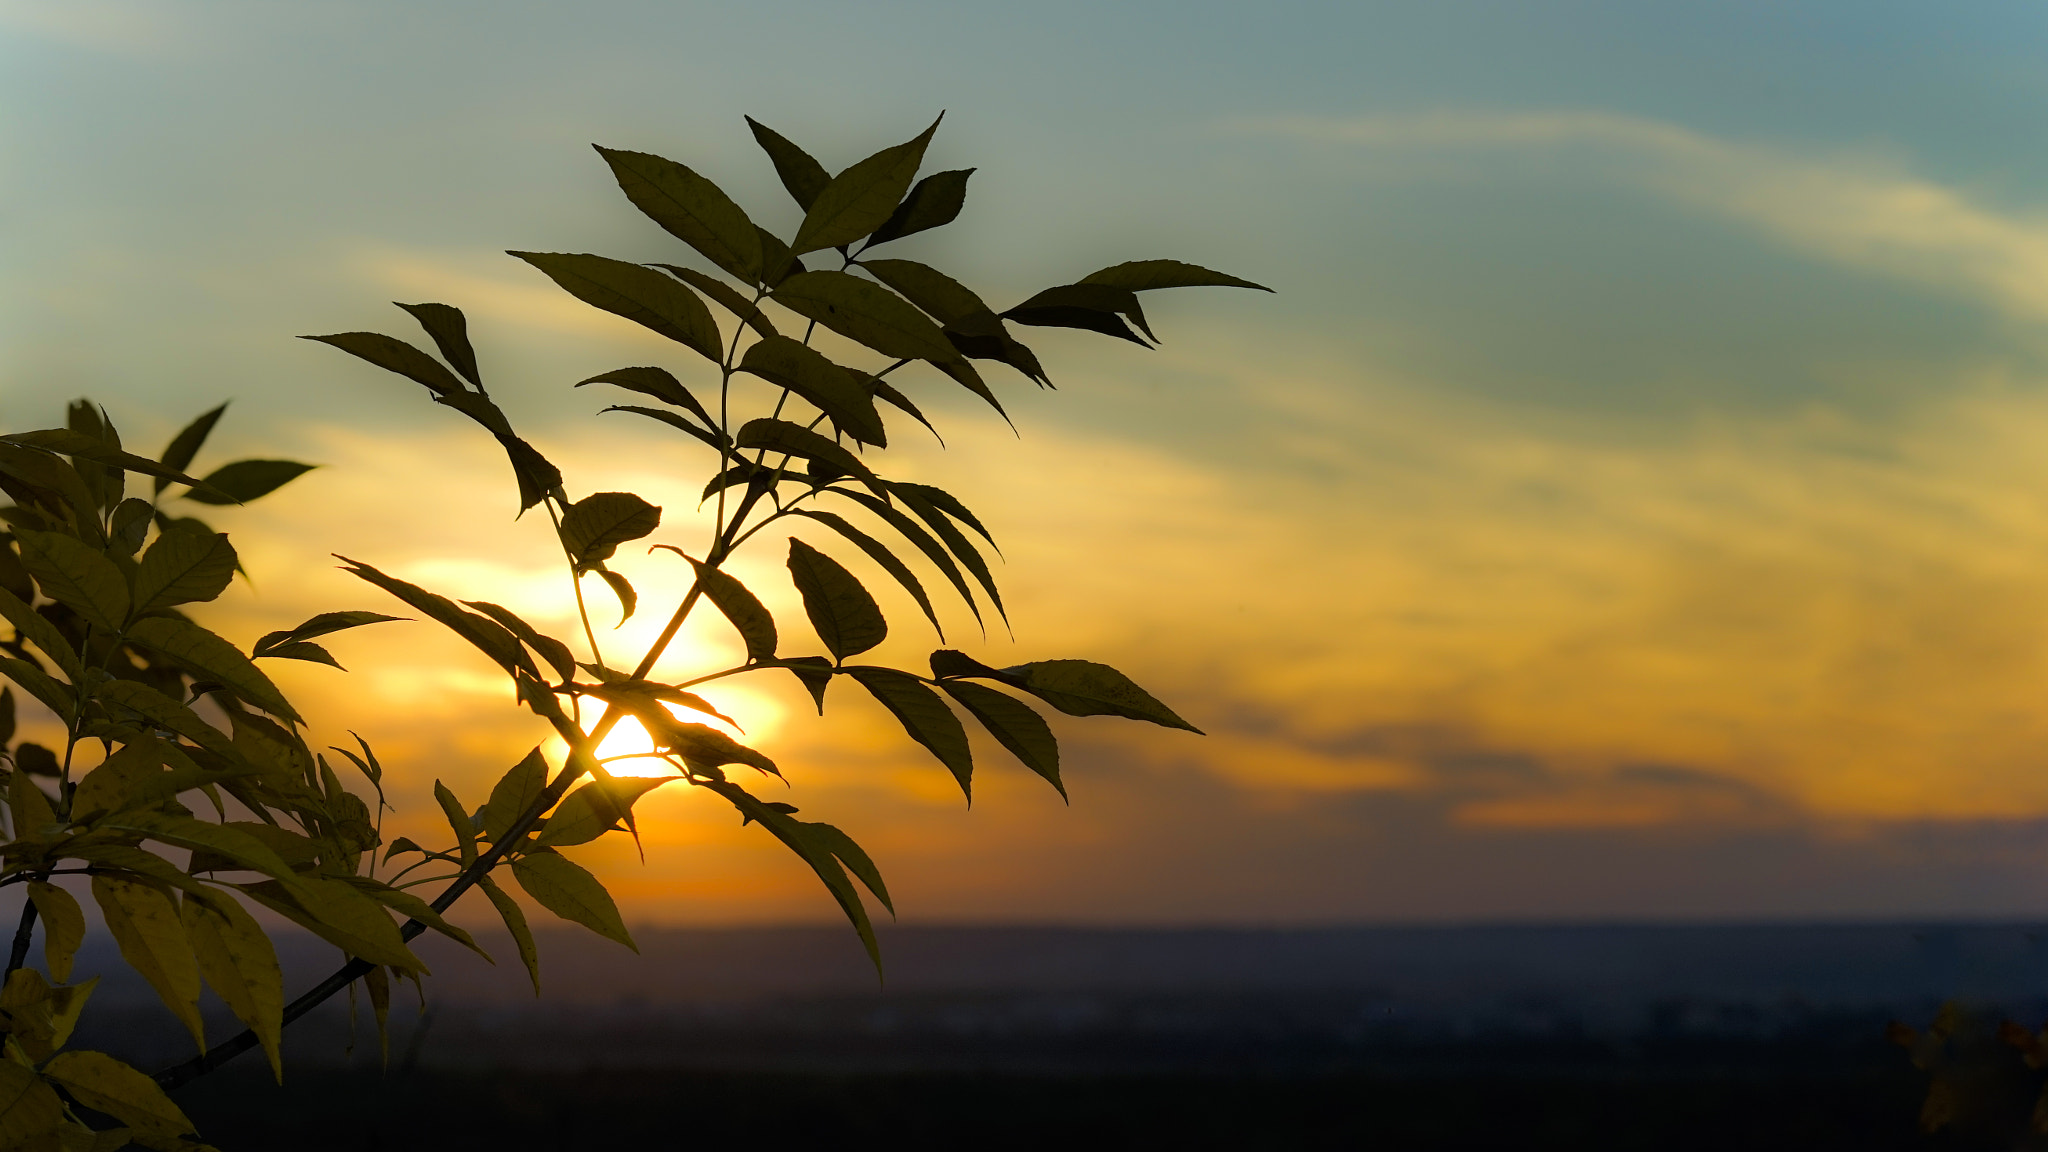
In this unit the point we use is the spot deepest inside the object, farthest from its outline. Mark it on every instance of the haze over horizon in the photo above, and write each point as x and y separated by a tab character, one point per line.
1631	504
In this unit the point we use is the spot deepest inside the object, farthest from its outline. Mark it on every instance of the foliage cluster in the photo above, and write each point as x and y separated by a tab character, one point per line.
164	719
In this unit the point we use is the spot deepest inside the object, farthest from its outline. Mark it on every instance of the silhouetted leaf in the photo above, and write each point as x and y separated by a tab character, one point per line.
1084	688
851	855
572	893
659	384
934	203
245	480
596	525
755	624
865	313
37	630
514	793
742	308
690	208
880	553
860	199
302	650
1014	725
796	440
639	695
814	673
37	683
953	538
883	391
629	600
485	634
801	175
925	717
943	298
639	294
778	263
450	333
325	624
845	616
675	420
211	658
185	445
396	356
515	923
1091	307
944	502
828	387
1145	275
129	525
77	576
819	856
597	808
553	651
922	540
183	566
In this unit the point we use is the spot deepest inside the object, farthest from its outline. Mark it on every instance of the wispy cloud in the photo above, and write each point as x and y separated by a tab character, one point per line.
1854	208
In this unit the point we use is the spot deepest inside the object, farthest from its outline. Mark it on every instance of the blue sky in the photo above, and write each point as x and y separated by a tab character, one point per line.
1635	477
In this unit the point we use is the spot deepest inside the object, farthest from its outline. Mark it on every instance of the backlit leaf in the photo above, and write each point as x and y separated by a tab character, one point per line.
515	923
909	530
325	624
406	904
303	650
925	717
104	1084
841	610
881	555
553	651
623	589
677	421
450	333
459	823
183	566
77	576
826	386
596	808
153	942
339	915
852	856
185	445
63	927
734	302
245	480
53	695
934	203
639	294
659	384
800	174
860	199
238	961
514	792
945	502
885	391
796	440
866	313
30	1110
487	635
37	630
1014	725
690	208
397	356
954	540
1145	275
211	658
595	526
1084	688
943	298
1091	307
755	624
794	834
31	814
569	891
814	673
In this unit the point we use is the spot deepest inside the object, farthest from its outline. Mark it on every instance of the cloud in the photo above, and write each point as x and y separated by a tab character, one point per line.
1859	210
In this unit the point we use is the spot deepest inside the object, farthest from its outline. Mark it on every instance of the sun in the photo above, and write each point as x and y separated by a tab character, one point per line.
759	715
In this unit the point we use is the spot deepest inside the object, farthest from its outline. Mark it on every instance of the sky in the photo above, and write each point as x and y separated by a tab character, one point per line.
1629	504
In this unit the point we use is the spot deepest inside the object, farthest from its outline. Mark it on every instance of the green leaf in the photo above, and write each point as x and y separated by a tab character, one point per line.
801	175
794	834
636	694
185	445
881	555
211	658
925	717
129	525
63	927
778	263
1014	725
515	923
537	477
515	791
964	374
302	650
406	904
553	651
866	313
395	355
1084	688
238	961
860	199
340	915
743	309
934	203
77	576
183	566
796	440
642	295
659	384
884	391
690	208
80	446
450	332
569	891
700	745
841	610
33	627
756	625
909	530
1145	275
153	942
325	624
596	525
596	808
163	712
245	480
953	538
459	823
485	634
104	1084
828	387
36	477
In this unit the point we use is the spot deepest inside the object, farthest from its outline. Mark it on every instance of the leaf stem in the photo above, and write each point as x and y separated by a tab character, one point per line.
18	955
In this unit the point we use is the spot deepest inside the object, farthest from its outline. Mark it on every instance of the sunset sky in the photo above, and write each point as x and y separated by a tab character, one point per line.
1632	502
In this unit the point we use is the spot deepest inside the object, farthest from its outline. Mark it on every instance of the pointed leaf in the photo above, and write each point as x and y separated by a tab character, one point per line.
944	502
866	313
153	942
1145	275
185	445
569	891
801	175
30	1110
623	589
183	566
828	387
659	384
796	836
33	627
245	480
238	961
1014	725
860	199
515	923
884	391
596	525
63	927
881	555
954	540
395	356
77	576
943	298
104	1084
406	904
211	658
515	791
796	440
325	624
1091	307
934	203
690	208
755	624
339	915
1084	688
909	530
487	635
450	332
596	808
459	823
925	717
642	295
742	308
553	651
841	610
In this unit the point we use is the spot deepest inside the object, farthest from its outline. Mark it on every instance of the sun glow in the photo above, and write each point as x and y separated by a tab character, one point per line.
627	750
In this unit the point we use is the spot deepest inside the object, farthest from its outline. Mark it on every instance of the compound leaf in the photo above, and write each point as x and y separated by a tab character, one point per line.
1014	725
841	610
568	890
690	208
866	313
934	203
153	942
639	294
77	576
862	198
803	176
183	566
925	717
